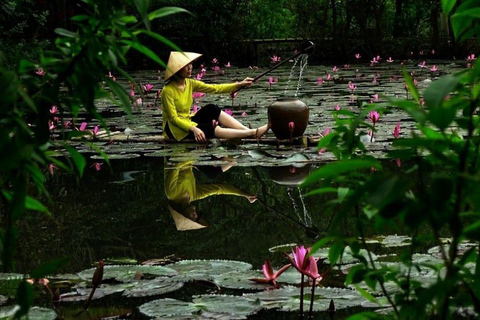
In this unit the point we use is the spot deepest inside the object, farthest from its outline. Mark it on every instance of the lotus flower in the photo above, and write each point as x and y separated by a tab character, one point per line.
40	72
434	68
51	167
148	87
95	130
233	95
275	59
335	69
228	65
244	114
422	65
358	56
389	60
214	60
319	81
337	107
291	126
83	126
396	131
375	97
270	275
352	86
197	95
299	261
53	109
346	66
374	116
51	125
329	77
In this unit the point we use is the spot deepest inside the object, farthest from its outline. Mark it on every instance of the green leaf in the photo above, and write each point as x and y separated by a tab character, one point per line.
472	231
160	38
78	159
321	243
146	51
365	294
436	92
411	86
325	141
100	151
24	298
335	252
33	204
447	6
80	17
66	33
120	92
340	167
321	191
342	193
415	110
163	12
50	267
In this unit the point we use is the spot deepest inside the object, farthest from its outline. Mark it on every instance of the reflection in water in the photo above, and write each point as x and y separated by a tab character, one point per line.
182	190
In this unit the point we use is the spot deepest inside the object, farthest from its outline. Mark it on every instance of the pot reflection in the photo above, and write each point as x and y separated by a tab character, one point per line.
289	176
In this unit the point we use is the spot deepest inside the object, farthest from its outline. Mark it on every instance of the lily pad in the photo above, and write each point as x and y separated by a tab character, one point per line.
117	156
206	269
35	313
236	306
3	299
391	240
240	279
283	248
152	287
163	308
126	273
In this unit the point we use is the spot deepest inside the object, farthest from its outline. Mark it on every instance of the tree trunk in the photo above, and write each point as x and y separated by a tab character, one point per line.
434	36
398	19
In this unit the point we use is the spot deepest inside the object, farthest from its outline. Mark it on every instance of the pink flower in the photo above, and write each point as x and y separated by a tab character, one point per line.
329	77
270	80
228	65
67	124
95	130
139	101
51	167
434	68
270	275
389	60
229	112
374	80
291	126
215	61
335	69
471	57
422	65
375	97
244	114
197	95
233	95
40	72
358	56
337	107
433	51
319	81
299	261
195	108
415	82
398	162
374	116
83	126
53	109
352	86
312	269
97	166
216	68
199	76
325	132
275	59
346	66
396	131
422	101
132	93
148	87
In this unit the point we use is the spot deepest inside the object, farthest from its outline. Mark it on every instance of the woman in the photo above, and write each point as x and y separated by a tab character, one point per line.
177	100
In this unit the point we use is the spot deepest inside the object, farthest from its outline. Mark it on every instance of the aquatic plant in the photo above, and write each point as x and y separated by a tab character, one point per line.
81	63
444	153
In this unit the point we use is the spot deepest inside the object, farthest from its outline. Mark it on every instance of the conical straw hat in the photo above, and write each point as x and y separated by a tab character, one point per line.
183	223
178	60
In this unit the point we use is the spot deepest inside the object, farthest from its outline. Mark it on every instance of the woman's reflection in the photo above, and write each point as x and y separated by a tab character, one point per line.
182	190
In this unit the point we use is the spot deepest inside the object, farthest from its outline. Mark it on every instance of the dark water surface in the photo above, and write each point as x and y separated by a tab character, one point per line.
122	213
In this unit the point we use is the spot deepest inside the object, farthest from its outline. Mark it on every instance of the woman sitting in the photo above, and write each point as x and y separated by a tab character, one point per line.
179	123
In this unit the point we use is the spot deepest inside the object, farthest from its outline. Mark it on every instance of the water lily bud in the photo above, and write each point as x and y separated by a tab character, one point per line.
98	275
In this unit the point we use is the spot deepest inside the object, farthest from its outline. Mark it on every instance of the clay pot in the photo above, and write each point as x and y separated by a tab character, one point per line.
287	110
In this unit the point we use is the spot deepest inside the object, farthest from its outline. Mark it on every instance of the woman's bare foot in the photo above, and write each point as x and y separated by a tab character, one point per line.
261	131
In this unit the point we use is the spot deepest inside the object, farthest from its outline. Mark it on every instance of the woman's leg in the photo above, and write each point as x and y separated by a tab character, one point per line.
229	133
230	122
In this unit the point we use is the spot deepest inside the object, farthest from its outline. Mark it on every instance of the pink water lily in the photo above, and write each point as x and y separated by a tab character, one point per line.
83	126
148	87
291	126
270	275
95	130
275	59
396	131
244	114
352	86
329	77
335	69
375	97
214	60
358	56
346	66
195	108
97	166
337	107
299	261
228	65
229	112
471	57
51	168
132	93
216	68
434	68
233	95
374	80
422	65
53	109
374	116
40	72
389	60
319	80
197	95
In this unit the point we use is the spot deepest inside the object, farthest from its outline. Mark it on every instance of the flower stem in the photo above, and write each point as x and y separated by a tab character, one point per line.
300	316
310	313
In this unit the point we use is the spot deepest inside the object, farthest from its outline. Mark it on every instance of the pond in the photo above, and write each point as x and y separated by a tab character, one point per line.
248	207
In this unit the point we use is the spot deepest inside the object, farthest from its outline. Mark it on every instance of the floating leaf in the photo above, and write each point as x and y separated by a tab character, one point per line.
240	279
127	273
232	305
35	313
153	287
206	269
163	308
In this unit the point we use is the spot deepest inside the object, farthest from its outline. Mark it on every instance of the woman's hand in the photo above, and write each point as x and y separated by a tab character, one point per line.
199	135
246	82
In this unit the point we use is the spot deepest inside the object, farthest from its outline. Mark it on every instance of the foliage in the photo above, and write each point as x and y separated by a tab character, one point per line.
444	153
80	65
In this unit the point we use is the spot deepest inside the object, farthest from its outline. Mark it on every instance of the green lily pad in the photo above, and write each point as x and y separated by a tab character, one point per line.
391	240
3	299
117	156
347	257
159	153
35	313
288	298
163	308
237	307
126	273
283	248
206	269
11	276
240	279
153	287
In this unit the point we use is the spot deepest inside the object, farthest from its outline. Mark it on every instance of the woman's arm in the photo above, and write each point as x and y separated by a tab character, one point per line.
170	110
199	86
